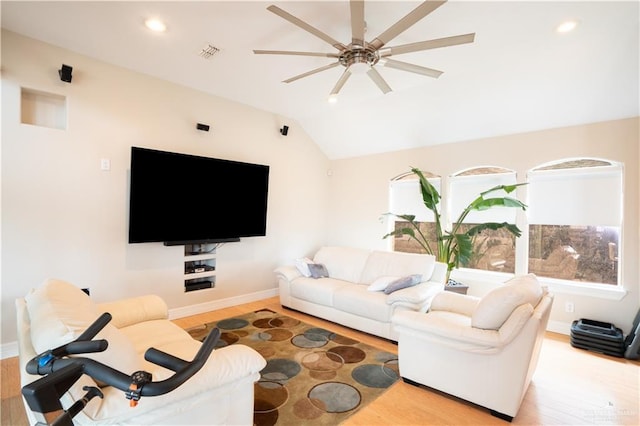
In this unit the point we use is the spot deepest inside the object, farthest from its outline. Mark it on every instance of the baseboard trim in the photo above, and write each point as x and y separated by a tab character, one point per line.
214	305
9	350
559	327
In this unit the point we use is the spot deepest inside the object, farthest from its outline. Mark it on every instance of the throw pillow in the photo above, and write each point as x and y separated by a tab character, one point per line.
318	270
302	265
380	283
497	305
404	282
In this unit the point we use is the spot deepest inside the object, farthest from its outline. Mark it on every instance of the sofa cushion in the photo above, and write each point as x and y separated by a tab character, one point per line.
383	263
343	263
403	282
356	300
318	291
60	312
380	283
497	305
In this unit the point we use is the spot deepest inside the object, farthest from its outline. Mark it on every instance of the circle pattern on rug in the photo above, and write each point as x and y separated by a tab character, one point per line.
349	354
374	376
275	335
314	332
322	361
334	397
284	322
310	340
232	324
343	340
280	369
304	409
269	396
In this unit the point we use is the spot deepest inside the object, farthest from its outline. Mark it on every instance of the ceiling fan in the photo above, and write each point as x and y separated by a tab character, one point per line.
360	56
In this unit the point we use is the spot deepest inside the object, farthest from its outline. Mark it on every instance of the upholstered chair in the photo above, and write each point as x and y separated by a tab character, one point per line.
483	350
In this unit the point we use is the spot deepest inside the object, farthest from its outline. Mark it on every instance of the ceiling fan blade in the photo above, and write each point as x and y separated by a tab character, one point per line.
308	73
403	24
378	80
341	81
428	44
300	23
429	72
357	22
289	52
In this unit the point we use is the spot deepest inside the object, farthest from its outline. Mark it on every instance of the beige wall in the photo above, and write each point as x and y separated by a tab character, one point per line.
63	217
359	195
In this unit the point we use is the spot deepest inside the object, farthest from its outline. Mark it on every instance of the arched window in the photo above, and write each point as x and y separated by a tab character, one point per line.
575	217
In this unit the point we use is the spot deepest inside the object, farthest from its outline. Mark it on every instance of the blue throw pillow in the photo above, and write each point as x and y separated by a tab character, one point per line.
404	282
318	270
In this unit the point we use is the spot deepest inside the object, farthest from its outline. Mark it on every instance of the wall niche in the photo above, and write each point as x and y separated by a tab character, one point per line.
43	109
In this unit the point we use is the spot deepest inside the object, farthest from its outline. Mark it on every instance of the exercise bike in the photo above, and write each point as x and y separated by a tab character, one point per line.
61	371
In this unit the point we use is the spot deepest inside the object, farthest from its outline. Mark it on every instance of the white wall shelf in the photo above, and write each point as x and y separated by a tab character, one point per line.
199	266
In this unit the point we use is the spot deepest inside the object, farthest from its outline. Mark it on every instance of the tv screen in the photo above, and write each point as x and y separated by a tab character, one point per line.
186	199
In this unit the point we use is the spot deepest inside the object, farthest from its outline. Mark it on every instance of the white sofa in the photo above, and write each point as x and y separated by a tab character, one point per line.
221	392
344	297
481	350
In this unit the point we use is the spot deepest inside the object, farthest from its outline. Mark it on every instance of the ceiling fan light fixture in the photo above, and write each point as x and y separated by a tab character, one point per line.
359	68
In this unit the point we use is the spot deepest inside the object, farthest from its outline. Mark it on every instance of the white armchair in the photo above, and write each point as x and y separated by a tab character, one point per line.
221	392
482	350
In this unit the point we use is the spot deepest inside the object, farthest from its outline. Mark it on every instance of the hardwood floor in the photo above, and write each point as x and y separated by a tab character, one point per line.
570	386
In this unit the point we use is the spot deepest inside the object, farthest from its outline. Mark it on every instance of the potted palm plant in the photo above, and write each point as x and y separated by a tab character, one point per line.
455	246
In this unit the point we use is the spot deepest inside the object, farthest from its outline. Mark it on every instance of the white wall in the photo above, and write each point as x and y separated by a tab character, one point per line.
63	217
359	195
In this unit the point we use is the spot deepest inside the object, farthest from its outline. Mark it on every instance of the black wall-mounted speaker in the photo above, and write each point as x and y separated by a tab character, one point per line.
284	130
65	73
203	127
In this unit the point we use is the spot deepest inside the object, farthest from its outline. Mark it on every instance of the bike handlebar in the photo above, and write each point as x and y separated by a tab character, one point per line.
51	361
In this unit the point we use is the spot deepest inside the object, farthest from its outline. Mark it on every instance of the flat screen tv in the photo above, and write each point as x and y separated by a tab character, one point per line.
187	199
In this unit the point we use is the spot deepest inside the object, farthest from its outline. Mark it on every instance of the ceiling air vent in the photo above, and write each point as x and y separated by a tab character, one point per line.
208	51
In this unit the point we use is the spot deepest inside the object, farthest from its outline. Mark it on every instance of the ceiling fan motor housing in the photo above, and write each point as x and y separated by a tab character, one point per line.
355	54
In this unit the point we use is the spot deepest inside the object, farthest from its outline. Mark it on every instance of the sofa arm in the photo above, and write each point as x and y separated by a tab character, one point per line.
458	335
131	311
417	297
454	302
287	273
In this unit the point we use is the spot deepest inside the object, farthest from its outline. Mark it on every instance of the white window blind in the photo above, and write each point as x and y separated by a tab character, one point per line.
406	198
585	196
465	189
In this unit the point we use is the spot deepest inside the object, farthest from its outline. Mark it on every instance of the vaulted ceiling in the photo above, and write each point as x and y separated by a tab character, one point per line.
518	75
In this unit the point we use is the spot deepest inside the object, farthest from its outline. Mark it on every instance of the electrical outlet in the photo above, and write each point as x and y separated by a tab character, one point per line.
568	307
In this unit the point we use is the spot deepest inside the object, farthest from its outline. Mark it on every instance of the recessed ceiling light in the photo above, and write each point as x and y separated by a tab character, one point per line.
155	25
566	26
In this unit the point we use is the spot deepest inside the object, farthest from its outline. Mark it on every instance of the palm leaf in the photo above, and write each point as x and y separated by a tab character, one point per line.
477	229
